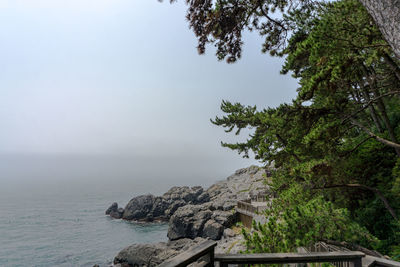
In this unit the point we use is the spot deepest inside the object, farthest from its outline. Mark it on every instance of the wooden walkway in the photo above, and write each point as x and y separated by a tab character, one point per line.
252	209
203	255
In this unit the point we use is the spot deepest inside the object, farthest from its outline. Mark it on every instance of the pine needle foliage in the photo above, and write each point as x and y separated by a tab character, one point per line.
295	222
338	140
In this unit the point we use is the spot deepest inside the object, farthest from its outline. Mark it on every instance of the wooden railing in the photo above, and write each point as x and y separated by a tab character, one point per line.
323	247
259	197
380	262
193	255
286	258
246	206
203	255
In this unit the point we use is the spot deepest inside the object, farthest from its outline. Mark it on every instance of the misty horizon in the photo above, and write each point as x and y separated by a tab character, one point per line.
114	94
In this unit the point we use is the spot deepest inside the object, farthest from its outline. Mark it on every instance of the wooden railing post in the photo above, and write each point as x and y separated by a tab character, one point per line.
357	262
212	257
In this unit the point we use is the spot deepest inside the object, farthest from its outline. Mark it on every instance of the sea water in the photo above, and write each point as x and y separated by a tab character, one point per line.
52	207
66	228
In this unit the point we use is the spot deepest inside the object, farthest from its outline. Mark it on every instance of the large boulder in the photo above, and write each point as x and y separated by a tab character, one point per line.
153	254
173	207
225	218
140	254
139	208
113	207
213	230
159	207
188	222
224	204
203	198
194	195
117	214
114	211
191	221
241	185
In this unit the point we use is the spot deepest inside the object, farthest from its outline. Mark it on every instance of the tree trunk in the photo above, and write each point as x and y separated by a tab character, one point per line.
372	110
392	65
382	109
386	14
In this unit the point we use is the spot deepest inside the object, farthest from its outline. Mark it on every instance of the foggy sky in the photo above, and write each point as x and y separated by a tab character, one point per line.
121	79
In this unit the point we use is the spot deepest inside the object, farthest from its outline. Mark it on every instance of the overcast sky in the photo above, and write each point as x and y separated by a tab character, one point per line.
121	77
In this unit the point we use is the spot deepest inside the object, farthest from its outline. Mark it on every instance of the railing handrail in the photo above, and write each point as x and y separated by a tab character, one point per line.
191	255
246	206
375	261
207	248
273	258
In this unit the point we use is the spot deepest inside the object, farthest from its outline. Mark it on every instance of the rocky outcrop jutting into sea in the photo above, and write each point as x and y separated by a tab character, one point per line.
193	214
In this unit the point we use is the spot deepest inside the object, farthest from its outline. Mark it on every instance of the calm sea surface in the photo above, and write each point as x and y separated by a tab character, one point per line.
52	207
66	228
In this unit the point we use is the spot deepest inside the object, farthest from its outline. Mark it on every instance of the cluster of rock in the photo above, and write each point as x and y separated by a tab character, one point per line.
193	213
149	207
193	221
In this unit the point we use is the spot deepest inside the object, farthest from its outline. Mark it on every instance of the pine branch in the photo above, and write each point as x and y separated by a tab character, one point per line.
376	137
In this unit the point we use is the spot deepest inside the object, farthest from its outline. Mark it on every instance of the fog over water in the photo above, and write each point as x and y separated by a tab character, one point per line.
111	90
103	100
52	206
36	174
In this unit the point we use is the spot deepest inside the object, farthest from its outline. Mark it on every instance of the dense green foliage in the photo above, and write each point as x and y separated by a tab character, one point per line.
302	223
337	141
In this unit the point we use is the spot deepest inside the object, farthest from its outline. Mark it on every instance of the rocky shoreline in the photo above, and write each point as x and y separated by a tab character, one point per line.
194	214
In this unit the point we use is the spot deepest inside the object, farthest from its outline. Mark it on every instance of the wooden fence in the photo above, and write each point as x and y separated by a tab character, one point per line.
261	197
246	206
287	258
248	212
203	255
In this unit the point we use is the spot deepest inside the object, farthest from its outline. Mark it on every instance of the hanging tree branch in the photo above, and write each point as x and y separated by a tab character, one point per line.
371	102
376	137
355	148
269	18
